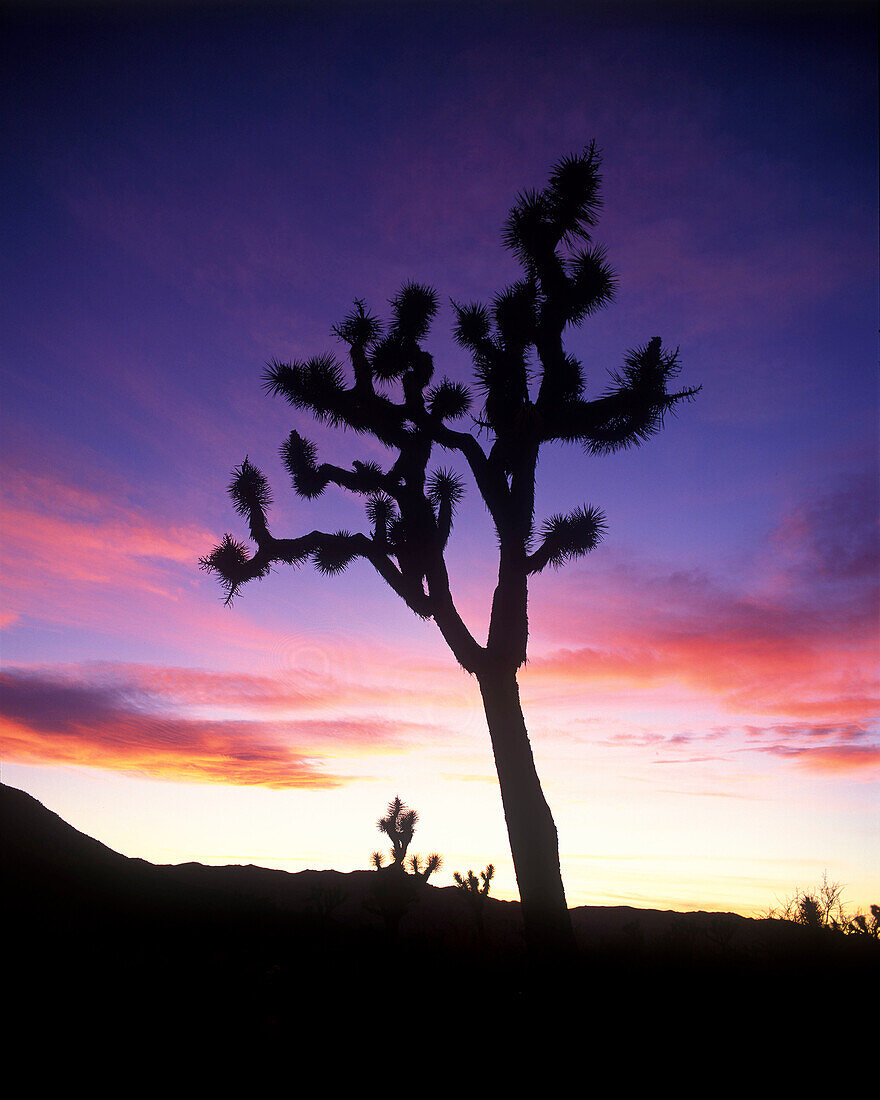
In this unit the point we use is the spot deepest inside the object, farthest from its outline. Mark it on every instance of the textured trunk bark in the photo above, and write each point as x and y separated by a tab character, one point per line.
534	844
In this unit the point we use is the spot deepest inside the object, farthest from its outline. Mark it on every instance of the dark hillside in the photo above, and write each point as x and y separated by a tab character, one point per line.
95	936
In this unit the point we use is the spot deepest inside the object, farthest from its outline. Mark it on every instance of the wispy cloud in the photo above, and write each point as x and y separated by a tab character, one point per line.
131	719
791	652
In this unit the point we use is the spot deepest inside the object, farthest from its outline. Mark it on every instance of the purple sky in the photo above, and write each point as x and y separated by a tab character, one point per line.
190	192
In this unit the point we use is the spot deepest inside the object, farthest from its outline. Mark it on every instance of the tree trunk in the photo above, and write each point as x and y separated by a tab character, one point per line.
534	844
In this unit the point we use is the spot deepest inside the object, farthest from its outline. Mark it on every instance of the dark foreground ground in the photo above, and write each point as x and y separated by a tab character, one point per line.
98	945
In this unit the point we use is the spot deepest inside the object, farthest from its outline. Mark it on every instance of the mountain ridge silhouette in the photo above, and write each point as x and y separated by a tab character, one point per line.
189	942
36	840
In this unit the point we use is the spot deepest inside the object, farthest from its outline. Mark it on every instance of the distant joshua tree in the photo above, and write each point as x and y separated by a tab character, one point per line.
476	891
398	825
531	393
395	888
472	886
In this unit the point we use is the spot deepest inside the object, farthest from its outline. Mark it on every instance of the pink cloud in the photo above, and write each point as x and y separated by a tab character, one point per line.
57	534
796	644
50	718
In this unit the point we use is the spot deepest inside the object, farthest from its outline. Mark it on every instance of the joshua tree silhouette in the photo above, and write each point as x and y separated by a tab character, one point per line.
532	393
395	890
476	890
399	824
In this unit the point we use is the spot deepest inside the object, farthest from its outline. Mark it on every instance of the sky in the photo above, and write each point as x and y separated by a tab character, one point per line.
190	191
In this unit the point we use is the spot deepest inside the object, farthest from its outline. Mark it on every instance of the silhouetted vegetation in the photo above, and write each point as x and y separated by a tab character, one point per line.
822	909
105	946
398	825
476	890
399	883
528	392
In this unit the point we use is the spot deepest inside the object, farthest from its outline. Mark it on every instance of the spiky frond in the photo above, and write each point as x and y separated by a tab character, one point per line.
448	400
299	455
565	211
390	358
514	311
527	232
592	283
378	860
231	564
249	489
414	307
381	512
316	385
359	328
407	822
568	536
444	487
471	329
335	553
572	194
638	399
646	369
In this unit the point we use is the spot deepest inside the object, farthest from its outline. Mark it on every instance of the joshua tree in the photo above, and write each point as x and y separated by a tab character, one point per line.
398	825
471	885
395	890
476	890
531	393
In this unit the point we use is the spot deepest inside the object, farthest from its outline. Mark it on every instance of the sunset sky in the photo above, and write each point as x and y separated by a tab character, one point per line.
189	192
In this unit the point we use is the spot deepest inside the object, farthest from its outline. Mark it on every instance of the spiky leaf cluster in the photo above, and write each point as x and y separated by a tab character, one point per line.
472	326
382	514
565	211
359	328
230	563
300	457
570	536
251	496
444	488
591	283
638	399
335	553
414	307
398	352
249	489
316	385
448	400
572	194
514	311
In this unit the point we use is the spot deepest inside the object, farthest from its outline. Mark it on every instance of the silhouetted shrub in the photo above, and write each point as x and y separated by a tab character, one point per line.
822	909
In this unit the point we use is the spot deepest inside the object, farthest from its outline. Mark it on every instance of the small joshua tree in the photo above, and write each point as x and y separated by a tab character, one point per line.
476	891
398	825
394	893
471	885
